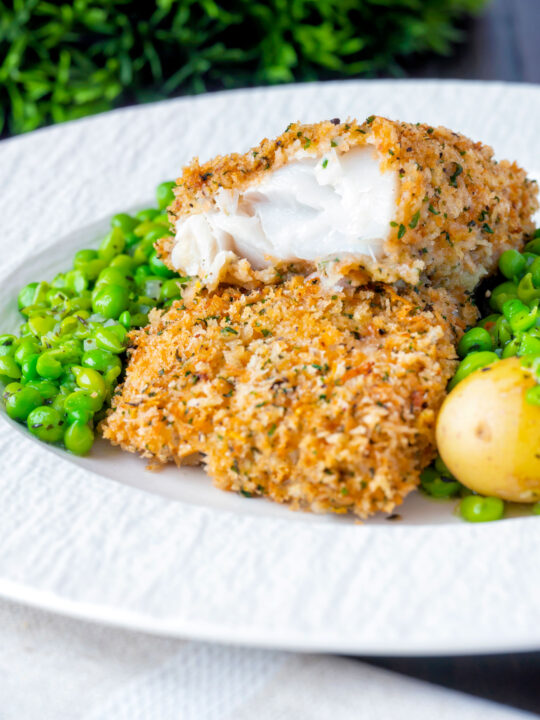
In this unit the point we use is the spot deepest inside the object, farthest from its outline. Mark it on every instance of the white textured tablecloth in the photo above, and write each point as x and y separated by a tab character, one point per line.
54	668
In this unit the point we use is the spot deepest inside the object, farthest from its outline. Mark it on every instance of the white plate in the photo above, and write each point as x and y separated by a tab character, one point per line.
102	538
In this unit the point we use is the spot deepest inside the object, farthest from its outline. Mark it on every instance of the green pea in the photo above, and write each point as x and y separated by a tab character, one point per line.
529	345
8	349
529	259
526	291
503	331
69	351
125	222
27	347
58	403
79	438
8	345
59	281
535	272
111	301
489	323
441	468
101	360
124	263
512	264
113	276
111	375
72	326
511	348
145	227
91	380
41	292
473	341
48	366
473	361
512	307
503	292
143	304
131	239
67	384
109	338
40	310
125	319
76	304
158	267
112	244
9	370
41	325
157	232
147	214
536	508
83	328
533	246
81	405
170	290
10	389
163	219
29	368
92	268
76	280
46	423
26	295
436	485
56	298
142	252
47	389
139	319
519	315
141	273
20	404
84	256
164	194
475	508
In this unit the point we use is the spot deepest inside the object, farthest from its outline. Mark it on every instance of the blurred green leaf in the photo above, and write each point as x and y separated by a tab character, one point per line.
61	61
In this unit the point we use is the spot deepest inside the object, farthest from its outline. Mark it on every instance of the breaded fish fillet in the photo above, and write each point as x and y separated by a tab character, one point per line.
323	401
381	200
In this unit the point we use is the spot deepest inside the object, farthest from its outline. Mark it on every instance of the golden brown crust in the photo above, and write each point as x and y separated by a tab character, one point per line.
457	208
323	401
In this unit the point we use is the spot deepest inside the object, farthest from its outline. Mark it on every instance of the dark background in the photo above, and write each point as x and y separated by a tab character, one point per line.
502	44
510	679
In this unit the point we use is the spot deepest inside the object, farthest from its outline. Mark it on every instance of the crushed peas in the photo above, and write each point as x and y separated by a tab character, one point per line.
61	370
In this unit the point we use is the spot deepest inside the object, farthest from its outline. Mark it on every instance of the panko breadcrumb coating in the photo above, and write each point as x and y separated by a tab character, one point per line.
325	401
457	208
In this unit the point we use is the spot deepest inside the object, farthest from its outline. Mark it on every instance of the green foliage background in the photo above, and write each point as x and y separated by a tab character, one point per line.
63	61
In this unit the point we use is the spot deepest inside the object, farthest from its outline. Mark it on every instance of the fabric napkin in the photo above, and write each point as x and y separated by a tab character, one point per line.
55	668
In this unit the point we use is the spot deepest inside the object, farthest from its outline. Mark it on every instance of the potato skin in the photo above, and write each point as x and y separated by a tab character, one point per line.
489	435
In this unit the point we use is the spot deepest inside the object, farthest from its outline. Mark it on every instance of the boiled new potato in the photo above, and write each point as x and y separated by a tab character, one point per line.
489	435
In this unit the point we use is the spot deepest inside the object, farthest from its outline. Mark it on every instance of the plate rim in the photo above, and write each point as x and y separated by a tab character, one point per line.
99	614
